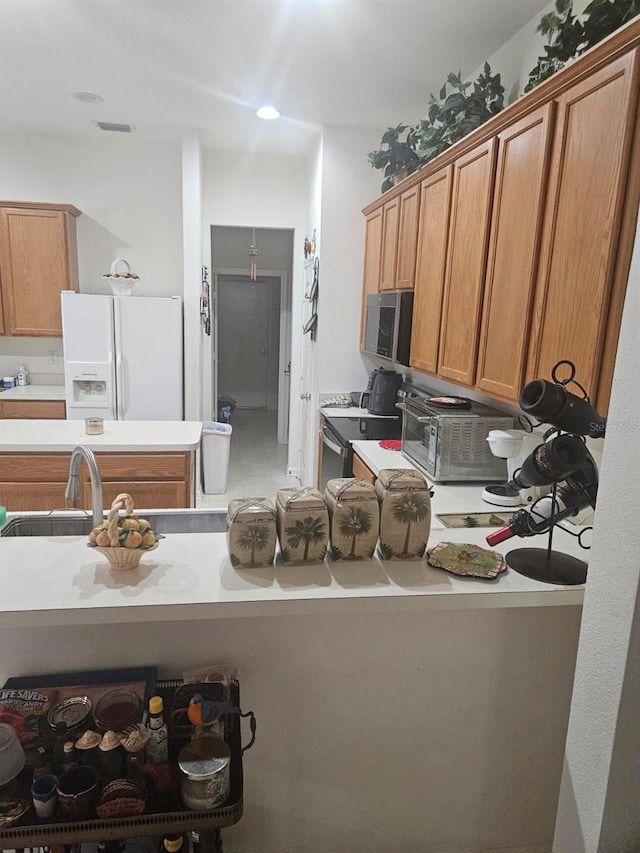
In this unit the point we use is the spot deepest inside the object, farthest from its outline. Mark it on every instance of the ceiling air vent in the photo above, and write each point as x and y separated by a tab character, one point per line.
115	128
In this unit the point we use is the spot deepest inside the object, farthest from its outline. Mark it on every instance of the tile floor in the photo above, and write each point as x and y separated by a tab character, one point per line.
257	463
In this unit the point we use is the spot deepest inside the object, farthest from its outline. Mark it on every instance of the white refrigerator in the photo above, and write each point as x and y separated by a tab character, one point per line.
123	357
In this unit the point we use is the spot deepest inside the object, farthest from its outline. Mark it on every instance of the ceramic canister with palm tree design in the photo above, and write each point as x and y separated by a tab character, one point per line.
251	532
405	513
354	518
303	526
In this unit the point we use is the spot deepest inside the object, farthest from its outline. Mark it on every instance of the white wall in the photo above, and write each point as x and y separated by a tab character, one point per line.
129	193
599	794
266	191
348	184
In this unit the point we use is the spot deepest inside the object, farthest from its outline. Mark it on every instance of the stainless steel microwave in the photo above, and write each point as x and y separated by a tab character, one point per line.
387	331
451	445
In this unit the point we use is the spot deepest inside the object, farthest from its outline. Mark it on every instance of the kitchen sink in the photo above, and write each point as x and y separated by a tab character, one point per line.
73	523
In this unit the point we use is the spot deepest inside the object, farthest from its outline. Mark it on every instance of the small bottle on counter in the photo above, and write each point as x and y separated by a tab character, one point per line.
22	376
157	750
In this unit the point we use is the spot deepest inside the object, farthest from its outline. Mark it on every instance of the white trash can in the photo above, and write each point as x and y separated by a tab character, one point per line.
216	443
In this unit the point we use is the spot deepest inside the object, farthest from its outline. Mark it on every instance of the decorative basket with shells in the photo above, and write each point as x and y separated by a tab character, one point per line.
121	280
124	538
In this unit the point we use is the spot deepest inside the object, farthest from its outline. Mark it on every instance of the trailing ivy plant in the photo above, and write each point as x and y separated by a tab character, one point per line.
397	154
604	17
567	36
454	115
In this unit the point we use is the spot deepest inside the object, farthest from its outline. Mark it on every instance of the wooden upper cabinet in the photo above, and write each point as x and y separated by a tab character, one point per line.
523	155
466	261
390	224
587	186
399	240
372	257
433	231
37	260
407	238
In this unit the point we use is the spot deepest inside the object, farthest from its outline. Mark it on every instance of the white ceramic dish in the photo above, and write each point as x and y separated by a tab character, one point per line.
12	756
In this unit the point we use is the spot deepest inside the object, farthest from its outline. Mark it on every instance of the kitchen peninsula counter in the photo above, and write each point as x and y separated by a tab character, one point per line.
439	672
55	436
190	576
152	460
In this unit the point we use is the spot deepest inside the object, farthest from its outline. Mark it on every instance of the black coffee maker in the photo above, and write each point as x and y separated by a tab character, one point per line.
382	392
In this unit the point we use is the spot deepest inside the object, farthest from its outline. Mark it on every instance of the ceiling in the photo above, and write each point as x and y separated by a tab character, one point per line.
163	65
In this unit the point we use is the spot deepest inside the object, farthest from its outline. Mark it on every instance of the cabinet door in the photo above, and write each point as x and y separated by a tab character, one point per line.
37	261
466	262
435	203
154	494
586	192
34	409
29	497
372	258
407	238
390	224
362	470
518	205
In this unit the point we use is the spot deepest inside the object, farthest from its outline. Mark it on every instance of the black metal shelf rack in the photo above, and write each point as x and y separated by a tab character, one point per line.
30	832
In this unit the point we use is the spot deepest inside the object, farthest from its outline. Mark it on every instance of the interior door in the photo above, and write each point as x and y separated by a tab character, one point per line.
243	341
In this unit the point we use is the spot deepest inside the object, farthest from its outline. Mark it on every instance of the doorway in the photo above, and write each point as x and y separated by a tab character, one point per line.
248	340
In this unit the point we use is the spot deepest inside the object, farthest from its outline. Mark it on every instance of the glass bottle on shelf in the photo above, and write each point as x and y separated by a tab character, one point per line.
157	749
70	760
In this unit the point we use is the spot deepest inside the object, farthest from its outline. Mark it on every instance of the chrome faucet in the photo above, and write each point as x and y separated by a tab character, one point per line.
73	491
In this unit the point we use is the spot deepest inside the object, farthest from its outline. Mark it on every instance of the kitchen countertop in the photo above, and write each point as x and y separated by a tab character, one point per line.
52	436
33	392
47	581
350	412
190	576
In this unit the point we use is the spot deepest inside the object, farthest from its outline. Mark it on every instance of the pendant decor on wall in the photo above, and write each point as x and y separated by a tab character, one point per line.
205	305
253	253
311	279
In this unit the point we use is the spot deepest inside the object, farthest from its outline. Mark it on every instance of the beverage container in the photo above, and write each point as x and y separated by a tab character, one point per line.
22	376
157	750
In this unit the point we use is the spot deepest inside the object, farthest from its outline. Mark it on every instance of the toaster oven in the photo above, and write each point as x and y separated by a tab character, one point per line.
451	445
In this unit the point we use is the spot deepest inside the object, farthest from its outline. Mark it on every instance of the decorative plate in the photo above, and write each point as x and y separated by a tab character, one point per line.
12	809
466	560
450	402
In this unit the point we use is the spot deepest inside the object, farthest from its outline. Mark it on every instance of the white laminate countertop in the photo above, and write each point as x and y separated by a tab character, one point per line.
33	392
350	412
51	436
61	581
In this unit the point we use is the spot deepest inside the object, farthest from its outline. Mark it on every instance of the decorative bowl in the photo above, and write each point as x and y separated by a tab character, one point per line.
123	559
121	282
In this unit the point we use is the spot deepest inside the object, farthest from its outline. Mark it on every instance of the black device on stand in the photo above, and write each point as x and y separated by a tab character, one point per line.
563	461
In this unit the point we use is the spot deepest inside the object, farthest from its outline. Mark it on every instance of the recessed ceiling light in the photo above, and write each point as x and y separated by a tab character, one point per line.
268	113
88	97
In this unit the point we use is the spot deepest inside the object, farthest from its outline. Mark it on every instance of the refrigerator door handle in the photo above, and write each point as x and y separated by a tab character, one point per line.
120	387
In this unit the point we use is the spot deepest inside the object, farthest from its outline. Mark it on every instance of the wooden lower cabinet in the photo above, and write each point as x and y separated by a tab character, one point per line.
37	481
361	470
26	497
34	409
